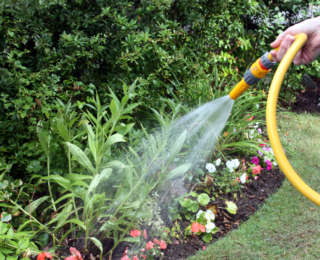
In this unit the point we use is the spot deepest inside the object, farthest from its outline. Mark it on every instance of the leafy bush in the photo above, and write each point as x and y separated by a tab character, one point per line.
69	49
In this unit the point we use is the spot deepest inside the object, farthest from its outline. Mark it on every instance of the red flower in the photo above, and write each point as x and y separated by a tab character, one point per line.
257	169
135	233
44	255
75	254
250	118
149	245
145	234
197	227
163	245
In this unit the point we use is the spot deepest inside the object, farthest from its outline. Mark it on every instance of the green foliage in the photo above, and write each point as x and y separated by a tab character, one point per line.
15	243
231	207
57	55
70	49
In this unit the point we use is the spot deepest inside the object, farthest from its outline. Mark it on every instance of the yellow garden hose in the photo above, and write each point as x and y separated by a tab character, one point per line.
271	110
279	153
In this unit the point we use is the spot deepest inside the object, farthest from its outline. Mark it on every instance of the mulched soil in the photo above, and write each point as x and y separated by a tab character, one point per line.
309	99
252	197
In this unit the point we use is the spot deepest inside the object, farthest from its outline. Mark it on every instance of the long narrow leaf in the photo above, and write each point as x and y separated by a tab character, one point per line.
178	171
81	157
105	174
35	204
92	141
97	243
177	146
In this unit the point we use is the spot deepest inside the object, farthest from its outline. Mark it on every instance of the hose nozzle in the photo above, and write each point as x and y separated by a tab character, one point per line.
257	71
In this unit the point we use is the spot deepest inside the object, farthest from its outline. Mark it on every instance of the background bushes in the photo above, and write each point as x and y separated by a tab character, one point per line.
70	49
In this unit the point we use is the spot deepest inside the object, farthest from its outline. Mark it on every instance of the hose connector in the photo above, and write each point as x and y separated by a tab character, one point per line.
257	71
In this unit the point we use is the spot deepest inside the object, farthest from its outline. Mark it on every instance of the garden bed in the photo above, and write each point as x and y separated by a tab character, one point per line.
249	200
252	197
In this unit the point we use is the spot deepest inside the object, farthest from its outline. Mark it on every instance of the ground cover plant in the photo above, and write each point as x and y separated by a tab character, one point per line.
83	83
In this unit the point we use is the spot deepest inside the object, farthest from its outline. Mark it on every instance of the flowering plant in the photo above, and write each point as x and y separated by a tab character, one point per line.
264	160
204	225
145	247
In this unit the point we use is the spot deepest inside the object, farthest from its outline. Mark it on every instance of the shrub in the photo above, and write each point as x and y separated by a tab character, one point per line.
69	49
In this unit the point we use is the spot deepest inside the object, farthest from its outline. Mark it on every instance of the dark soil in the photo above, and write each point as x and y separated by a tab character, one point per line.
252	197
308	100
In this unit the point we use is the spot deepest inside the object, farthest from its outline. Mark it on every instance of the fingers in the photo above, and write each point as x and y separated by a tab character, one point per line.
277	41
298	59
285	43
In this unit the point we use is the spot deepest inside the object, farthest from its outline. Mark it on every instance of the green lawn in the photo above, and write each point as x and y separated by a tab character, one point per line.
287	226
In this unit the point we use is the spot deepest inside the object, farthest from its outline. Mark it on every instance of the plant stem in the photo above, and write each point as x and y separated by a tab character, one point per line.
70	172
35	220
49	184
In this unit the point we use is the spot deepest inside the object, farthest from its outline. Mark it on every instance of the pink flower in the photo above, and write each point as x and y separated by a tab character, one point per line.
143	256
269	165
203	248
44	255
75	254
197	227
256	170
156	241
262	145
135	233
135	258
266	148
149	245
145	235
163	245
125	257
255	160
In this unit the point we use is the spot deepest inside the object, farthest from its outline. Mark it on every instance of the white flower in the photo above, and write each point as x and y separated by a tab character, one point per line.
218	162
257	106
210	167
199	213
233	164
210	226
243	178
251	133
209	215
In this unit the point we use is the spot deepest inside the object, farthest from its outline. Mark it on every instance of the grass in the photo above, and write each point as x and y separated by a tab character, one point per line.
287	225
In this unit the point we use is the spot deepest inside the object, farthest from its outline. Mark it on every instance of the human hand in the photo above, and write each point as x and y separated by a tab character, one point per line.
309	51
